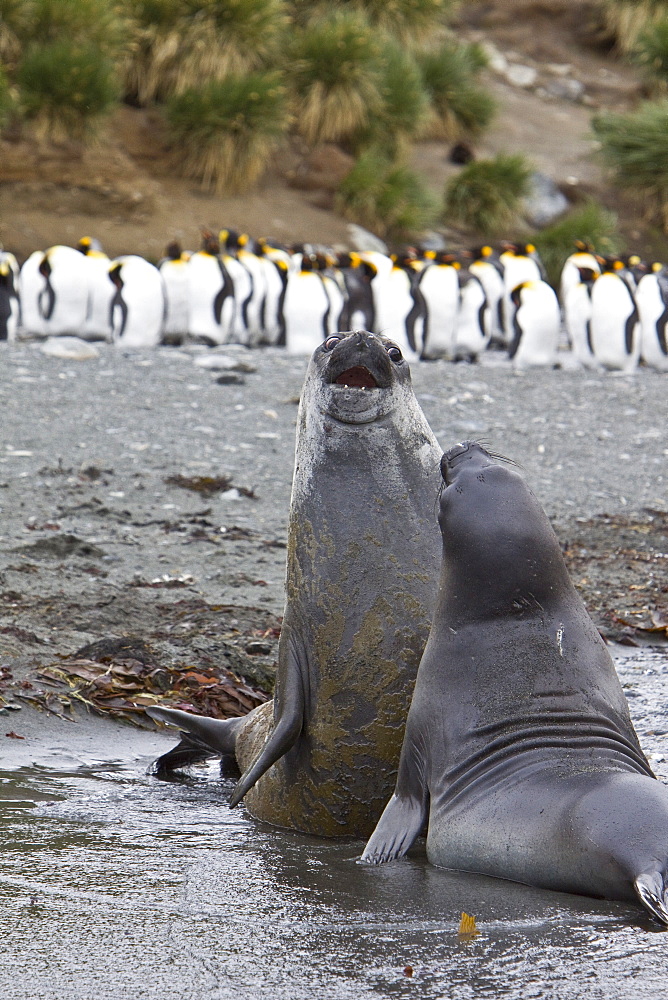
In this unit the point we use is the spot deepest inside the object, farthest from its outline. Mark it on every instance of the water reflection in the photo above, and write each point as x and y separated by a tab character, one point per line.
114	885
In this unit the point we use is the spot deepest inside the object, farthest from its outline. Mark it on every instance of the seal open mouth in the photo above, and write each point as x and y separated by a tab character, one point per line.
357	377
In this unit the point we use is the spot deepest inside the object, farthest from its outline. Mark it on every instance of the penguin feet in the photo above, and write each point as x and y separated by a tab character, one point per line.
652	891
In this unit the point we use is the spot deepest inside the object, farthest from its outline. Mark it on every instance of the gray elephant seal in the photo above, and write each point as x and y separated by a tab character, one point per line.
519	748
363	561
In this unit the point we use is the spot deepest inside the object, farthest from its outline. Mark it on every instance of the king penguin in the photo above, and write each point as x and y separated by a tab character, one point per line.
652	301
521	264
438	283
615	324
536	322
306	308
137	309
9	296
210	289
174	270
577	308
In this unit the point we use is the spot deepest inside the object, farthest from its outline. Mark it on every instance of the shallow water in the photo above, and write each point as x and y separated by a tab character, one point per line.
114	885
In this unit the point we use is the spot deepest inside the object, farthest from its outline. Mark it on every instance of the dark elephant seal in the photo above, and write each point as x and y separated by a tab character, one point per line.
519	748
363	560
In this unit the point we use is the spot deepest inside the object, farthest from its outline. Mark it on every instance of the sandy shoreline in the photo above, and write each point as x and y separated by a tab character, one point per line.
96	543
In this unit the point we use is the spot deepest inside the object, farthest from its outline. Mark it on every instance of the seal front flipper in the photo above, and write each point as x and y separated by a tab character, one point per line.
201	738
398	827
407	811
288	715
653	894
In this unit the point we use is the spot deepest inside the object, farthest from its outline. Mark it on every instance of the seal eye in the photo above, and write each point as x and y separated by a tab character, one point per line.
331	343
395	354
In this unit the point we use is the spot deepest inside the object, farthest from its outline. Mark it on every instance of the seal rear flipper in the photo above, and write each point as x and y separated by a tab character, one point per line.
189	750
652	891
288	716
201	738
397	829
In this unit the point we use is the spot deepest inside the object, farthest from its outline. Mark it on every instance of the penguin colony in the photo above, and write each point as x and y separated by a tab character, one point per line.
611	312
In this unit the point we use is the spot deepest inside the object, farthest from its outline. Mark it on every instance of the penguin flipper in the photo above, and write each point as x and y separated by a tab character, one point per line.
652	891
201	738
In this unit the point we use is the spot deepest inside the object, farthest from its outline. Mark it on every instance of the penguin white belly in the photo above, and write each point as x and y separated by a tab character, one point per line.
256	308
97	325
577	319
394	307
474	324
537	321
336	301
138	308
243	294
210	299
31	285
305	310
652	301
492	283
272	311
63	298
439	285
516	271
615	329
177	316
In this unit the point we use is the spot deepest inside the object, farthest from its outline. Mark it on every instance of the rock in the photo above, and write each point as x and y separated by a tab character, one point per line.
545	202
222	362
521	76
433	241
495	59
361	239
230	378
567	89
69	349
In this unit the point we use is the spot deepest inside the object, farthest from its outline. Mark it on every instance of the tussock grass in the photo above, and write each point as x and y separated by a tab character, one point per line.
336	77
635	147
411	22
485	195
627	20
651	50
226	131
460	108
591	223
66	86
178	45
404	105
385	197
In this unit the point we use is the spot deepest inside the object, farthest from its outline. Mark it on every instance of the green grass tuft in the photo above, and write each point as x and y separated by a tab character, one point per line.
226	131
591	223
651	50
67	86
635	147
404	103
485	195
386	197
336	77
460	107
627	20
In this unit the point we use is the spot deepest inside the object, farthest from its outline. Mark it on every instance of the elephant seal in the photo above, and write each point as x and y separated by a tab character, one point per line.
362	565
519	748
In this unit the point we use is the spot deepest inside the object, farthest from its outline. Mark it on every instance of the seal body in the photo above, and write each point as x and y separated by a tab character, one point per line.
519	748
363	554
